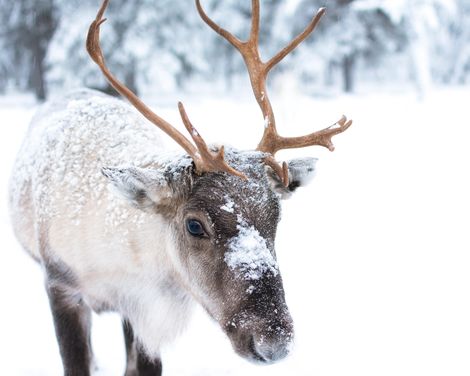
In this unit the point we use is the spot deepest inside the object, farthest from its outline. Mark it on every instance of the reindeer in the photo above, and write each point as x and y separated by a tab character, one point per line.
120	224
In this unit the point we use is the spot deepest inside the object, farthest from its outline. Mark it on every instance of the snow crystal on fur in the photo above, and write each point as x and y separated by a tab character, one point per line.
228	206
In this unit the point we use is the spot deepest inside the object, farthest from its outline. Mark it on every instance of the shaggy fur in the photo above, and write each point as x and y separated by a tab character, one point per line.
98	202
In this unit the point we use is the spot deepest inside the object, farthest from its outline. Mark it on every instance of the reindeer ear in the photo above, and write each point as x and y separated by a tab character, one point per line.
301	173
142	187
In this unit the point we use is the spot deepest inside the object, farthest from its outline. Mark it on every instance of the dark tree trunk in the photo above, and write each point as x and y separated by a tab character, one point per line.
347	66
37	80
37	36
3	81
185	72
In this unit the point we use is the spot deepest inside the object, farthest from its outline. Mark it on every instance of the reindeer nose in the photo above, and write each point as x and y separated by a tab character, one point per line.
266	343
275	341
263	336
271	350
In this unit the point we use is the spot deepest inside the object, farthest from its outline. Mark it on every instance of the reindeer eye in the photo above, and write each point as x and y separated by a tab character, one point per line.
195	228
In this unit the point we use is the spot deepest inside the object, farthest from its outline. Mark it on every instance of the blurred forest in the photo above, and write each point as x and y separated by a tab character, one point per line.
163	44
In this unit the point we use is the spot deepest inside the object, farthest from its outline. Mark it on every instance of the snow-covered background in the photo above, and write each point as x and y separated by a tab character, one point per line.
375	253
163	44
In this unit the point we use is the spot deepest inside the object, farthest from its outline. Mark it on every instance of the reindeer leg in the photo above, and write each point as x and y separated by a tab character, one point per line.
72	321
138	363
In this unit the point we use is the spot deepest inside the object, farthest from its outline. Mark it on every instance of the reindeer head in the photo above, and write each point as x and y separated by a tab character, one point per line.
223	230
223	208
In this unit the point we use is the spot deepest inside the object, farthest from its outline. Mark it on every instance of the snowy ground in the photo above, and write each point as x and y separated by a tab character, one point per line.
375	254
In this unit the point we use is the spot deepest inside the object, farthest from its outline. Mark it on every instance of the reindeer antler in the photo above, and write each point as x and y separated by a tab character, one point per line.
204	159
258	71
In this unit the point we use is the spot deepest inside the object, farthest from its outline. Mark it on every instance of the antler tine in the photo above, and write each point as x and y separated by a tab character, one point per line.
281	171
203	158
320	138
255	20
296	41
210	161
219	30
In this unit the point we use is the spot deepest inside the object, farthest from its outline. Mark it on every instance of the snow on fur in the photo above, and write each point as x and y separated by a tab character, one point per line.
105	132
249	254
229	205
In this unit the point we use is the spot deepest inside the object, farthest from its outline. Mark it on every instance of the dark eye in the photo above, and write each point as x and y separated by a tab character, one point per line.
195	228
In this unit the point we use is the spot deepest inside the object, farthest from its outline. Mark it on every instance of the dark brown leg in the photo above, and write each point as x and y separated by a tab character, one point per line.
72	321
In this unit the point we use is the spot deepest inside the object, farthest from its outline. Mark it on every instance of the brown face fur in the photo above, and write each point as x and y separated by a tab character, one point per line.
252	311
230	266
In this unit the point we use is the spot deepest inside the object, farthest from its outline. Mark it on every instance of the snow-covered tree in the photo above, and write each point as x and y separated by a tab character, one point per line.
27	28
164	44
451	44
349	33
145	42
427	25
68	57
